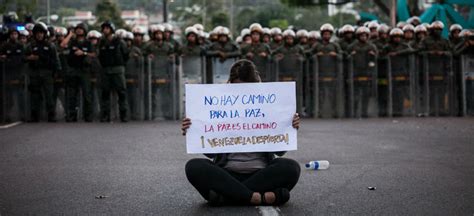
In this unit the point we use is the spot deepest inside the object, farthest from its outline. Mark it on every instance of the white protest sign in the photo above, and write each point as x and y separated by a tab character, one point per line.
241	117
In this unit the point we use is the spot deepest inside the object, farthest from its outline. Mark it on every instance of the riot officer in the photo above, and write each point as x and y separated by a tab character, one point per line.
59	92
382	41
29	27
414	20
168	35
374	34
267	36
396	50
246	38
11	55
328	53
409	34
160	54
277	38
257	51
313	38
223	48
158	46
302	36
290	47
78	78
435	44
326	47
138	37
202	35
396	45
93	37
347	32
113	55
23	37
401	24
43	62
191	46
420	34
214	35
134	75
454	38
363	53
467	46
51	34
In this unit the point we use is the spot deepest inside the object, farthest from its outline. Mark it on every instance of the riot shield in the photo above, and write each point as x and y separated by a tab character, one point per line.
14	90
307	88
192	70
467	69
290	68
135	77
362	85
437	95
328	86
263	67
162	91
3	89
382	86
401	85
221	70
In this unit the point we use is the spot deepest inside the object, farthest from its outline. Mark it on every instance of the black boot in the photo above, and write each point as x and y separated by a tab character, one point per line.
51	117
34	117
123	117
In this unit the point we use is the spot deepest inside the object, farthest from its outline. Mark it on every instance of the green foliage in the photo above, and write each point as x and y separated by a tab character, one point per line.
21	7
220	19
108	10
280	23
62	12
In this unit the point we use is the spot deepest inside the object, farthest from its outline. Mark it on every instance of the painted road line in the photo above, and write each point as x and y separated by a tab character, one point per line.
269	210
10	125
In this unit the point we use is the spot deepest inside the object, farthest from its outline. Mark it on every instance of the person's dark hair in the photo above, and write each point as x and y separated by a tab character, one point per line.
245	71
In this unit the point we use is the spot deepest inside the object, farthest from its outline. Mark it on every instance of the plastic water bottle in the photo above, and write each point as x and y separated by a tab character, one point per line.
317	165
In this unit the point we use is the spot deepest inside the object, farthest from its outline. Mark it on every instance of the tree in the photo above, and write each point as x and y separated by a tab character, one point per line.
108	10
220	19
21	7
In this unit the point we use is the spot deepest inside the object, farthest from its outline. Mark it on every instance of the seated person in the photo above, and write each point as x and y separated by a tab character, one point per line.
254	178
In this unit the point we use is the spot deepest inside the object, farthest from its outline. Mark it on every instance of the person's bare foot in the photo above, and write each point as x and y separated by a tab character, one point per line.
269	197
256	198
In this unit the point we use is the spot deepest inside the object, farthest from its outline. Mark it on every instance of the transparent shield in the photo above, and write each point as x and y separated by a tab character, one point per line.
328	87
290	68
221	70
401	85
438	82
467	67
362	79
14	90
192	71
161	89
263	67
134	74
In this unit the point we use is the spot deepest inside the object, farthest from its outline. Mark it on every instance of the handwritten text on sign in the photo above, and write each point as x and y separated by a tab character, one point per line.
244	117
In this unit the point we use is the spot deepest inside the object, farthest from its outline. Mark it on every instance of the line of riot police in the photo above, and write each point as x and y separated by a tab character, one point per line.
354	71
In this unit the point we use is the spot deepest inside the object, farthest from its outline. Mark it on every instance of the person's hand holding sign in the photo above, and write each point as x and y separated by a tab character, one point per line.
185	125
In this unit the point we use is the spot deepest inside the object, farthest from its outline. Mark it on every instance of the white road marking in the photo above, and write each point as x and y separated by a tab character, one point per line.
269	210
10	125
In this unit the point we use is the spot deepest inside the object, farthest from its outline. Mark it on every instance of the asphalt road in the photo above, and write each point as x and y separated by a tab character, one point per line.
419	166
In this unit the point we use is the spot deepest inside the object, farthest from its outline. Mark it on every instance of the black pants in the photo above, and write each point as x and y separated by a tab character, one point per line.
204	175
79	82
110	82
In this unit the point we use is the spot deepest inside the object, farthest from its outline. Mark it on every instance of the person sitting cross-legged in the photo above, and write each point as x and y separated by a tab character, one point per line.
254	178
